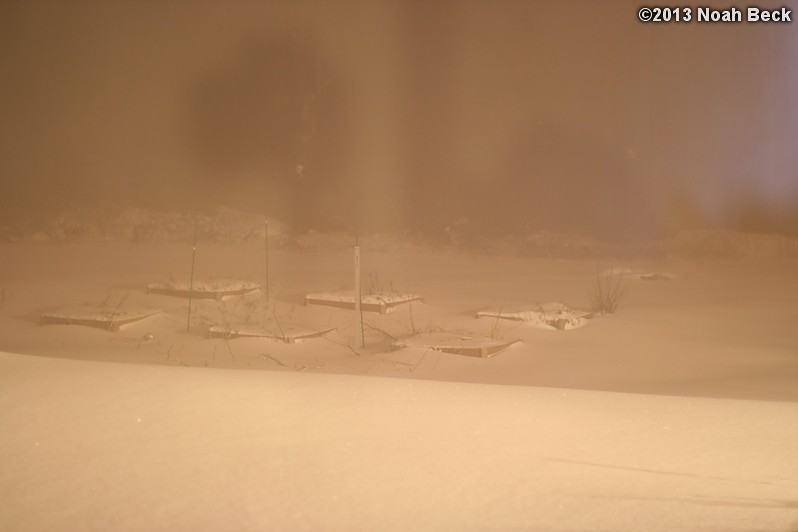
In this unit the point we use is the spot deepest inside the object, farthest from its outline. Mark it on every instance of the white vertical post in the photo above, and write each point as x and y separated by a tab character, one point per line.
359	340
267	259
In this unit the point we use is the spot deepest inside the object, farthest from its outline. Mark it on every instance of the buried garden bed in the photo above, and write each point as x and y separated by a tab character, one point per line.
382	302
96	316
553	316
289	333
208	289
456	344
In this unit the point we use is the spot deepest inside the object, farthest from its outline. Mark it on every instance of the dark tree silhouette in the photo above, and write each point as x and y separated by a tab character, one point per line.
269	123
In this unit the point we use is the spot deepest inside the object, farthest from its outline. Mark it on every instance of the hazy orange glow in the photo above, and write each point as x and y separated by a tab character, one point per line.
561	115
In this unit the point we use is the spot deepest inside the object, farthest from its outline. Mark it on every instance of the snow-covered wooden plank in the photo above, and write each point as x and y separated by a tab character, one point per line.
291	335
381	302
95	316
213	289
554	315
457	344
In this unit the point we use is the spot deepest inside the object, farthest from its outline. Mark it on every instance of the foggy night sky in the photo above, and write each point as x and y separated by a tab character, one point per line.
518	115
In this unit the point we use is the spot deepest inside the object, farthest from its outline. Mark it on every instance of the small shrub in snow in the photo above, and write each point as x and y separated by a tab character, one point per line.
608	291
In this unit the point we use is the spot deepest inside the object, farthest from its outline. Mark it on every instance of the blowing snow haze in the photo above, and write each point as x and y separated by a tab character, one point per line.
515	116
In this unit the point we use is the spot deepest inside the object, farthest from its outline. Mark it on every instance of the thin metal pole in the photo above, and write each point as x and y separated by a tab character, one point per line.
361	341
191	281
358	306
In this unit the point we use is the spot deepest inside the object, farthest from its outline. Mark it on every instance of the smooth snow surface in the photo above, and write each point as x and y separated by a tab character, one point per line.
99	446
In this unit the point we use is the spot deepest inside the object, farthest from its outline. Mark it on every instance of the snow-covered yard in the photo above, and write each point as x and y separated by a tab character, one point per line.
679	412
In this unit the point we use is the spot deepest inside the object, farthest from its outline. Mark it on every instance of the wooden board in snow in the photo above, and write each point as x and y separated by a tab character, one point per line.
381	302
290	334
110	319
546	316
213	289
457	344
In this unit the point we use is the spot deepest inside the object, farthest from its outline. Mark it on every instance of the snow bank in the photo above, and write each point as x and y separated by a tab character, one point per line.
99	446
721	243
121	223
127	223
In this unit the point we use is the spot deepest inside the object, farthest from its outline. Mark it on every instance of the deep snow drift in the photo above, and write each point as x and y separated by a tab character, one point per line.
98	446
